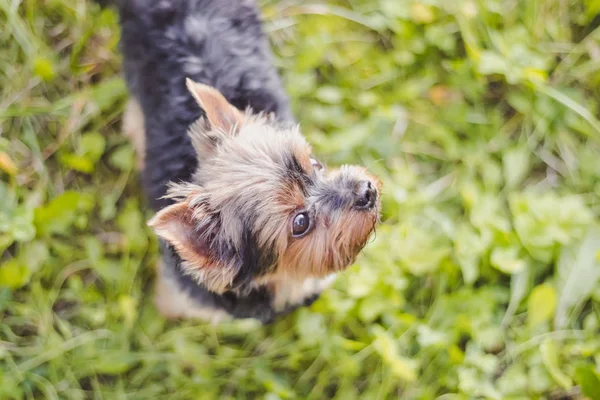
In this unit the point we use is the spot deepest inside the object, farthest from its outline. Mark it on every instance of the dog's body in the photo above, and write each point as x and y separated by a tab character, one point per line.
226	245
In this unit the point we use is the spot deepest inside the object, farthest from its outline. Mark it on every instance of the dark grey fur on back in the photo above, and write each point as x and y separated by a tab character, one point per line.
217	42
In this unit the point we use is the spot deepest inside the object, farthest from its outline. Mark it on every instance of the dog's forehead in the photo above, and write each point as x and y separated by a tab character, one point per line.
262	166
273	144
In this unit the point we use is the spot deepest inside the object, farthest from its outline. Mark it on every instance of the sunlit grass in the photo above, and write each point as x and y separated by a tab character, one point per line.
481	118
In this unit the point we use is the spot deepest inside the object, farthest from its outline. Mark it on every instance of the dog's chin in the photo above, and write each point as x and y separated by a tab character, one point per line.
363	234
359	245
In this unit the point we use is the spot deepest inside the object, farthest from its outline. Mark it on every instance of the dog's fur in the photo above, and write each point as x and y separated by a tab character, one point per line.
240	179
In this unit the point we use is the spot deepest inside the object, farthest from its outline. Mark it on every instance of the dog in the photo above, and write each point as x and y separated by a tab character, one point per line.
250	224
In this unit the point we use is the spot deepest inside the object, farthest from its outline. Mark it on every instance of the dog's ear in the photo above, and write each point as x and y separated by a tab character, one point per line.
219	112
189	234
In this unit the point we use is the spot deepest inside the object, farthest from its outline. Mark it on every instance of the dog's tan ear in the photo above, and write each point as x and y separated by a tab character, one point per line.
175	224
219	112
178	225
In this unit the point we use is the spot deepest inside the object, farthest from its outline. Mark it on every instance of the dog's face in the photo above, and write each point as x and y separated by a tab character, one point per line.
260	206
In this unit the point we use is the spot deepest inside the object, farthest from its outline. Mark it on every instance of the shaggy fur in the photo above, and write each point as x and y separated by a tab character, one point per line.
238	180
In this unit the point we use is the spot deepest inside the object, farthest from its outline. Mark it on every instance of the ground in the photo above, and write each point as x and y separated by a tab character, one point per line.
482	281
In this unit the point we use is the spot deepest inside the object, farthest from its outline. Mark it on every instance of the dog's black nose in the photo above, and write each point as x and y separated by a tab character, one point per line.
366	196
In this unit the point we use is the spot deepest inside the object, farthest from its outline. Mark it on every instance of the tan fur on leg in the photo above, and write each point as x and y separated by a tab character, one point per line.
133	127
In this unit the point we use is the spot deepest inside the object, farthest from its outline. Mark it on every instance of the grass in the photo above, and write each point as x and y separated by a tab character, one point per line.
481	117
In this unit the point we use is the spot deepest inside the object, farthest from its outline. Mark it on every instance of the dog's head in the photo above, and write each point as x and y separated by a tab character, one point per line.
260	205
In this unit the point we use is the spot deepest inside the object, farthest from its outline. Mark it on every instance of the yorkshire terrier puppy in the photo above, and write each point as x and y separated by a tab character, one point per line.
251	225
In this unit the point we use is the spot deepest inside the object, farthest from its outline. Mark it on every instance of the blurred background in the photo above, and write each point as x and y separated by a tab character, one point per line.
480	116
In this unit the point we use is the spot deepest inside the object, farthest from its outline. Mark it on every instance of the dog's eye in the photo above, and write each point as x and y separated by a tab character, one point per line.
300	224
316	165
